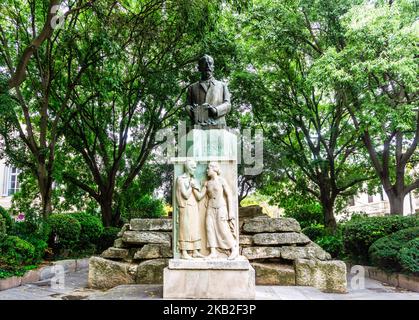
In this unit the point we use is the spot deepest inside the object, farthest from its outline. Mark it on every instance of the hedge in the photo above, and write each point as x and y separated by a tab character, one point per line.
409	256
65	230
359	234
91	228
384	253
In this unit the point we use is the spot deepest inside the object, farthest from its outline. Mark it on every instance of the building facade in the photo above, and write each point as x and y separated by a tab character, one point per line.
378	204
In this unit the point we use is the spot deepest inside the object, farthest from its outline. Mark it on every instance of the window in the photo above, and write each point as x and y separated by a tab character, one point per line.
351	201
11	181
370	199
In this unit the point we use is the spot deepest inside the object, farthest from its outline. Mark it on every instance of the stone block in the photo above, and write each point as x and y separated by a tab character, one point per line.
280	238
327	276
307	252
119	243
208	283
253	253
30	277
274	274
154	251
82	264
409	282
151	224
151	271
106	274
250	212
145	237
241	263
124	228
245	240
46	273
115	253
69	265
9	283
266	224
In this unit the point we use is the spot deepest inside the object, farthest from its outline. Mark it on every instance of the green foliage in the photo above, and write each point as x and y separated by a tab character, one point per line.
65	231
34	232
145	207
107	238
2	228
409	256
333	244
314	231
384	252
8	222
16	252
91	228
359	234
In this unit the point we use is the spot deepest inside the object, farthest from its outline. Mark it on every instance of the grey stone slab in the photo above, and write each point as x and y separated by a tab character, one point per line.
151	224
145	237
280	238
209	284
82	264
240	263
115	253
266	224
154	251
253	253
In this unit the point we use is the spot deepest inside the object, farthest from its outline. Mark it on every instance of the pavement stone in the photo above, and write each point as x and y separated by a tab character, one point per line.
76	289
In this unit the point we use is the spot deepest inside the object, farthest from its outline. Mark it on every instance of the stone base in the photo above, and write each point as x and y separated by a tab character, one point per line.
209	279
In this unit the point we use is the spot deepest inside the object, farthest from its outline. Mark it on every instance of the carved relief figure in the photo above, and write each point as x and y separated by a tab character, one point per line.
220	214
189	235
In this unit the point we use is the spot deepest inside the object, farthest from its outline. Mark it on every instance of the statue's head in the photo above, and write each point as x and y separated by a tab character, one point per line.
213	169
206	66
190	166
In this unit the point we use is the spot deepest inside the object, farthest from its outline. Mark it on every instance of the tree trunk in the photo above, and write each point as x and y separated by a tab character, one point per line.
106	209
46	201
45	189
329	217
328	212
396	203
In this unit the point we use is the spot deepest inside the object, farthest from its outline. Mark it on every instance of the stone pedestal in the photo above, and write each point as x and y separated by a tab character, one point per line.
209	279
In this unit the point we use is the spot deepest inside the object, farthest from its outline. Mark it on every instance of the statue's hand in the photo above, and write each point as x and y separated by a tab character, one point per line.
212	111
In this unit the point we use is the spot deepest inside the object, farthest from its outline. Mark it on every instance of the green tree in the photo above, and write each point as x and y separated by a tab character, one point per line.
313	138
375	73
39	75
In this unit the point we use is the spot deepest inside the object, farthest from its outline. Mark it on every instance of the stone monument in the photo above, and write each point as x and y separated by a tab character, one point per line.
206	263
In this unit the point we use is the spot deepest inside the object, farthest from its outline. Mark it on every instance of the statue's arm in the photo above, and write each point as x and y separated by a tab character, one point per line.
200	194
189	103
229	196
184	191
225	107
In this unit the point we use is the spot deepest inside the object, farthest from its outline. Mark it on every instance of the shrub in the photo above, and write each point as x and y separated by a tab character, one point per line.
145	207
91	228
107	238
65	231
2	228
314	231
34	233
360	233
384	253
333	244
16	252
409	256
7	219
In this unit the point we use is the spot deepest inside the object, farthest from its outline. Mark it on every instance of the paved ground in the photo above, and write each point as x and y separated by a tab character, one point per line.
76	289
